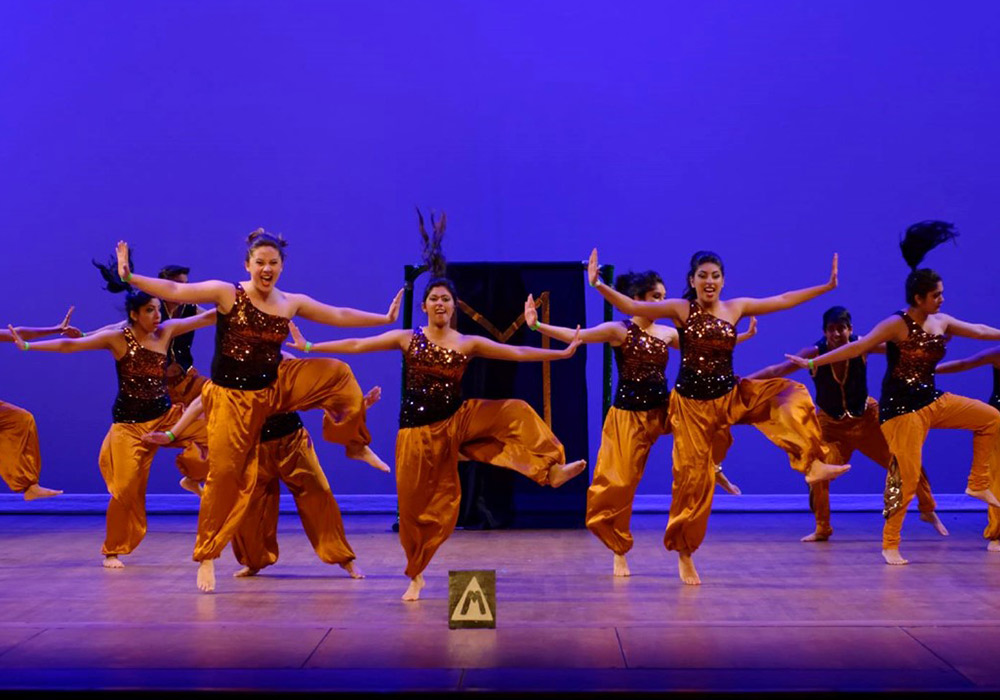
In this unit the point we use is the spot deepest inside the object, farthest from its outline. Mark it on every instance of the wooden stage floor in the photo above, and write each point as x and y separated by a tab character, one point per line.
773	613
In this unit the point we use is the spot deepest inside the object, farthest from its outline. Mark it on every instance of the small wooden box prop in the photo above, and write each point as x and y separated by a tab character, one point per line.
472	600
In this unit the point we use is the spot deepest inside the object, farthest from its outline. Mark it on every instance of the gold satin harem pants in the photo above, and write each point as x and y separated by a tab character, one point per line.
20	458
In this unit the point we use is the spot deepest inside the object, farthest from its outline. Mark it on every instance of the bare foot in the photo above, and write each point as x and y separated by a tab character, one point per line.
817	536
189	484
35	491
559	474
689	574
373	395
723	482
993	546
365	454
820	471
350	567
621	566
984	495
413	590
245	572
892	556
935	521
112	562
206	576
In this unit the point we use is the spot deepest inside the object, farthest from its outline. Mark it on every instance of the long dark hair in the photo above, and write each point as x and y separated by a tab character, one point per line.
134	298
637	284
433	254
697	260
918	240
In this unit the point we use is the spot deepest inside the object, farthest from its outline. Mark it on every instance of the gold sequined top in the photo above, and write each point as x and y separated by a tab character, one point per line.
908	384
432	382
642	371
247	345
142	383
995	396
707	344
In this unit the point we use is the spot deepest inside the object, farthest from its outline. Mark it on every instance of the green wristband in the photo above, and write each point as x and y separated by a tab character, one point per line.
596	284
26	345
534	326
809	364
127	277
308	347
170	435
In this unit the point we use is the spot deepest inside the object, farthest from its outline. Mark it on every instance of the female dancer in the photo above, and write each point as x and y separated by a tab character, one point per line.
639	415
911	404
708	398
848	417
986	357
20	458
248	385
141	406
436	426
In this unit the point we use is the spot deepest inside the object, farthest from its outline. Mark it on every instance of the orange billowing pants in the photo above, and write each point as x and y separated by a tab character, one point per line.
780	408
906	435
290	459
863	434
626	440
20	459
505	433
992	531
125	460
187	387
235	419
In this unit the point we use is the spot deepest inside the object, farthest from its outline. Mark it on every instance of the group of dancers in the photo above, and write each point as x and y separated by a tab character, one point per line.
240	434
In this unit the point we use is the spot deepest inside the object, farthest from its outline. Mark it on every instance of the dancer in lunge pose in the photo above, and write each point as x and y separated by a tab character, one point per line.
141	406
848	417
639	416
911	404
20	457
248	385
708	398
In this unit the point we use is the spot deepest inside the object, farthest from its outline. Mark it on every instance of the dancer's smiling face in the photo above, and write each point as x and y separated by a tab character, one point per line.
930	303
707	281
147	316
264	265
439	306
837	334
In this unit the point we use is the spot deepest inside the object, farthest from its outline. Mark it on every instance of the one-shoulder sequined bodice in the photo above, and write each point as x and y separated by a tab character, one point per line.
247	345
707	344
142	383
908	384
432	382
995	396
642	367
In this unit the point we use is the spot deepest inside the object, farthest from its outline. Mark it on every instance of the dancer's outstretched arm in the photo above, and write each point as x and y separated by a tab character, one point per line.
979	331
484	347
397	339
109	340
783	369
891	329
309	308
165	437
609	332
222	294
990	356
749	306
30	333
749	332
674	309
180	326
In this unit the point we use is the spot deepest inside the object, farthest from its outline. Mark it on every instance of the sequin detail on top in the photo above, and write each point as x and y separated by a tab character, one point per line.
642	371
247	345
707	344
995	397
142	383
908	384
432	382
280	425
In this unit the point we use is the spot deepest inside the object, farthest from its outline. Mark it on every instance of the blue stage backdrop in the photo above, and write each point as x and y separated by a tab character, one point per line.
775	133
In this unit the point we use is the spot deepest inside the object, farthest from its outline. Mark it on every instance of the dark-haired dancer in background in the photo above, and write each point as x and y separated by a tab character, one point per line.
141	406
708	398
989	357
20	456
183	381
911	404
848	417
250	382
640	414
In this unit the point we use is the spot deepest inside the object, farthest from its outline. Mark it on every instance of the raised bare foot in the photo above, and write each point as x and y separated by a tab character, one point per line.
685	567
351	568
821	471
817	536
984	495
935	521
723	482
559	474
246	572
373	395
892	556
413	590
621	566
366	455
112	562
189	484
993	546
35	491
206	576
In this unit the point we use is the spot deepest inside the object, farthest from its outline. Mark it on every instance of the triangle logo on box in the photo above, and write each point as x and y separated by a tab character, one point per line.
473	605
